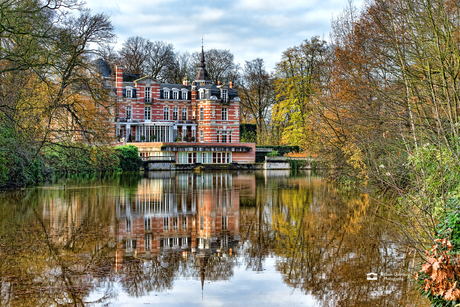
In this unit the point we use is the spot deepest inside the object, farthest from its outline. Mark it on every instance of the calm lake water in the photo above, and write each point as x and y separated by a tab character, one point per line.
199	239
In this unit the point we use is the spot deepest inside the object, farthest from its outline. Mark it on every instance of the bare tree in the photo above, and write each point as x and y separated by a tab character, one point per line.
257	94
220	65
161	59
135	55
182	68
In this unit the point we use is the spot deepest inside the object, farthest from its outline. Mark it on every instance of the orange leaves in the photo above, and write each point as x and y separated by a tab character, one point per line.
442	271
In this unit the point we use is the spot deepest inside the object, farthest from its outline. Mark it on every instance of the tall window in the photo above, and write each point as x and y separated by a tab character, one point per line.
174	113
128	112
184	95
229	136
166	223
224	222
224	136
201	136
166	93
184	222
175	223
166	113
147	94
176	95
184	113
128	224
147	113
201	113
129	92
224	95
148	242
201	223
224	114
202	94
213	111
147	223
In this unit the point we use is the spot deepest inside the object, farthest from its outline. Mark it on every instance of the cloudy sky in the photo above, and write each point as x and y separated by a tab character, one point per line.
248	28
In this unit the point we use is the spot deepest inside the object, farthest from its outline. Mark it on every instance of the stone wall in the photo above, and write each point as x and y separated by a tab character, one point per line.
161	166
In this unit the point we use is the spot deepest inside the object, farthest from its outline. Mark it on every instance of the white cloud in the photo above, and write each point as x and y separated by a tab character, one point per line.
248	28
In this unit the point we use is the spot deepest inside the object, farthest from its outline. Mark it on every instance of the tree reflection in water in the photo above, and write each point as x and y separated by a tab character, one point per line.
79	245
325	243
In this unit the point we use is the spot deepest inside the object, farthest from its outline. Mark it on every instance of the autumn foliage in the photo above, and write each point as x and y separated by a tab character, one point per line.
440	274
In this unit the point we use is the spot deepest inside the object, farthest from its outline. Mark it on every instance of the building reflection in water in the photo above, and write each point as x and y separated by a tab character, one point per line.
193	214
131	237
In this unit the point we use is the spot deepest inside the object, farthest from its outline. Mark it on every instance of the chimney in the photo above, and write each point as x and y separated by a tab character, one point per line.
230	85
185	82
119	80
219	83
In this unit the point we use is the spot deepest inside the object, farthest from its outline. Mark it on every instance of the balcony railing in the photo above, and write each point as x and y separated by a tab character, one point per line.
159	158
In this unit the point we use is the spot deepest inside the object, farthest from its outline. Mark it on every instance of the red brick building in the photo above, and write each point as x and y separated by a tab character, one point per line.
195	122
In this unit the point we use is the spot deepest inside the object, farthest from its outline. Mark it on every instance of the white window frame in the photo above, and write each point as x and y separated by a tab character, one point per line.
129	224
224	95
129	112
165	113
225	114
129	92
175	223
201	136
165	93
147	94
224	136
184	94
148	242
184	113
176	94
201	93
147	113
147	223
175	113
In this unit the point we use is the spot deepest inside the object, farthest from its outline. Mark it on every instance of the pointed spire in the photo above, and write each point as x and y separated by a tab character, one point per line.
202	57
202	77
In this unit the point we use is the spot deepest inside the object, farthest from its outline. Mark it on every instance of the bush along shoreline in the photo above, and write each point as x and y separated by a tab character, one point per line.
20	166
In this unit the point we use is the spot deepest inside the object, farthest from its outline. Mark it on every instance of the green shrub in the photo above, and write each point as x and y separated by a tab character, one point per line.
77	158
273	153
295	164
248	133
129	158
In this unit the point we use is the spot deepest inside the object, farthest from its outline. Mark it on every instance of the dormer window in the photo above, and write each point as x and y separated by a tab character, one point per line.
201	94
175	94
129	92
224	95
166	93
184	94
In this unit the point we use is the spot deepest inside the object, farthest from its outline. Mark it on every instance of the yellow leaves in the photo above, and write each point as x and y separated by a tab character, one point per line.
356	159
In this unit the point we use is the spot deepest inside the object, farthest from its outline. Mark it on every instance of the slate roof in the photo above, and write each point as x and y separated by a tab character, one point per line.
102	67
